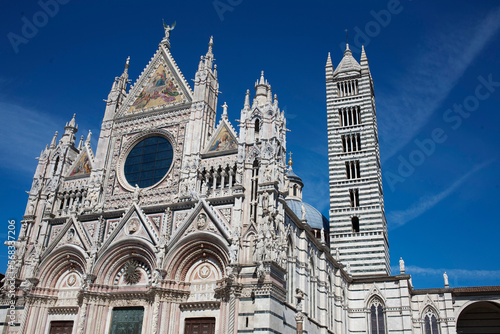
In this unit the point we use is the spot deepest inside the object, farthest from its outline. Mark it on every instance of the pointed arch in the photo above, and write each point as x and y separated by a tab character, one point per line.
430	318
376	315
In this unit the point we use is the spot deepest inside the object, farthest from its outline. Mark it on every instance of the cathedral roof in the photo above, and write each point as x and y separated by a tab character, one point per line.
314	218
292	176
347	64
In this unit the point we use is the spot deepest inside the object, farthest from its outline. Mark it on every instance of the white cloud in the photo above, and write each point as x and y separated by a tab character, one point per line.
417	95
452	273
399	218
24	133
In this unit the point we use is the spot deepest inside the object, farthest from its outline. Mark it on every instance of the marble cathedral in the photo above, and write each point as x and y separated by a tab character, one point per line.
181	224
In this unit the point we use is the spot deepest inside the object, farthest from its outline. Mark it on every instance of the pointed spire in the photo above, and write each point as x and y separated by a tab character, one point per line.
224	111
80	144
262	81
53	143
364	60
329	67
347	48
247	99
72	122
210	45
127	64
348	64
275	100
88	138
200	65
329	60
269	95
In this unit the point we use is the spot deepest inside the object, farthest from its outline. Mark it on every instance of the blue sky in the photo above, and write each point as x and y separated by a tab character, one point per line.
439	162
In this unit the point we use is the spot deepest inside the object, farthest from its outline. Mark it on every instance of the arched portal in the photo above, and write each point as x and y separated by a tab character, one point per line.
479	317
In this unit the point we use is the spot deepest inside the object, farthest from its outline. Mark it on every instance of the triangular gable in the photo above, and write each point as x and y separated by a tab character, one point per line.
428	303
72	233
374	292
134	224
83	163
81	166
160	85
223	141
212	222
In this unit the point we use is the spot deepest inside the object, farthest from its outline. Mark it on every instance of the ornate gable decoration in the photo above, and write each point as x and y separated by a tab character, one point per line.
71	233
82	165
160	89
223	141
203	218
160	85
134	224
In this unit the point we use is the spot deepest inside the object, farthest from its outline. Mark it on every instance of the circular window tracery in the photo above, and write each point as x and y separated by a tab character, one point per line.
148	161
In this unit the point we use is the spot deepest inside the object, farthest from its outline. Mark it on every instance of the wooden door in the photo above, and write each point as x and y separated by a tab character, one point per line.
200	326
61	327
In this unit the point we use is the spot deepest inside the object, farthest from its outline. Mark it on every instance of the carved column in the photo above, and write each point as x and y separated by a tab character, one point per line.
82	317
156	310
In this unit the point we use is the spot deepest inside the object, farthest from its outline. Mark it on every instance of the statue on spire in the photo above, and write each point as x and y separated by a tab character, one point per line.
167	29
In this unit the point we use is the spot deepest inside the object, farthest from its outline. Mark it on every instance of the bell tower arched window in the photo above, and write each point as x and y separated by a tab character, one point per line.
257	129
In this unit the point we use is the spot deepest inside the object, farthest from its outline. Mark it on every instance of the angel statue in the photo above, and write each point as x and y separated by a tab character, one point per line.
167	29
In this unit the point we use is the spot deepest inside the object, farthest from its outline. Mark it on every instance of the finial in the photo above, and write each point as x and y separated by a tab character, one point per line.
80	145
53	143
200	65
275	99
224	110
168	29
247	99
262	81
88	137
290	162
72	122
127	63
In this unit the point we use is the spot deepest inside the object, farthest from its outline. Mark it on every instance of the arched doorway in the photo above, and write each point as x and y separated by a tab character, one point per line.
479	317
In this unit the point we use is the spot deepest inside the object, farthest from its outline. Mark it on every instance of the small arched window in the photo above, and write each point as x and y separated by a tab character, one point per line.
257	128
56	164
295	190
377	320
355	224
430	323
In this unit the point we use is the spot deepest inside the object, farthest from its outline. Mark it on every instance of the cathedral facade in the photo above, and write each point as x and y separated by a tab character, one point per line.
181	224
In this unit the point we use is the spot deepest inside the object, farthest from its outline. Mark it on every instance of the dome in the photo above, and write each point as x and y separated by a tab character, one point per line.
314	218
294	177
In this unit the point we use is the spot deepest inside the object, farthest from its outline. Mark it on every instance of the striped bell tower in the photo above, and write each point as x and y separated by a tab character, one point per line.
358	228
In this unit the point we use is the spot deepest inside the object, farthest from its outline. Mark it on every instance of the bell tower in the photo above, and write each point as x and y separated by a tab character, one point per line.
357	218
